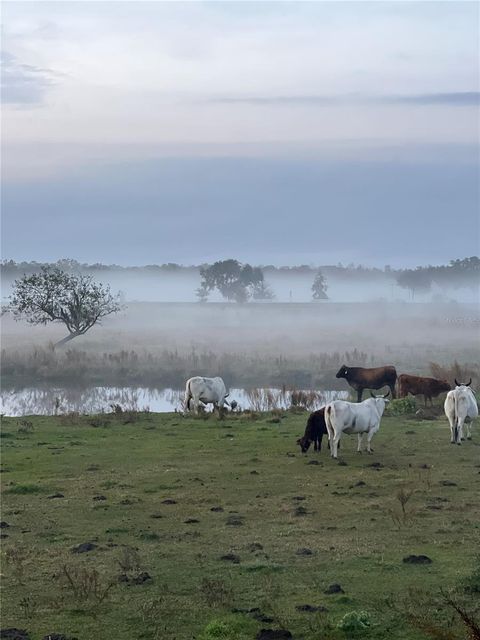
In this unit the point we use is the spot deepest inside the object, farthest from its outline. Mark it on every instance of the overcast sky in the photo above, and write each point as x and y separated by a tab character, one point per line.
276	132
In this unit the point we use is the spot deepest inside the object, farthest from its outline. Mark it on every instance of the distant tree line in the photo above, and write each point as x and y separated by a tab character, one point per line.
453	273
241	282
458	273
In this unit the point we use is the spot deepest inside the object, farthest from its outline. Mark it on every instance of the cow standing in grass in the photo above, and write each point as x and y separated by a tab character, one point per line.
349	417
418	385
206	391
360	378
314	431
460	404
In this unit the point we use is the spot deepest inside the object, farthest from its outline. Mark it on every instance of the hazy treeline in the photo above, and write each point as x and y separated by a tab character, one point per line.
346	283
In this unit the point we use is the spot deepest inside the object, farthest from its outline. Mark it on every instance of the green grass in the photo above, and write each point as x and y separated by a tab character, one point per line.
356	532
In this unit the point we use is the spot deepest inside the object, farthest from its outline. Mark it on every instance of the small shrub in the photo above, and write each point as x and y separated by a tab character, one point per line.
216	629
229	628
403	515
85	584
401	406
355	623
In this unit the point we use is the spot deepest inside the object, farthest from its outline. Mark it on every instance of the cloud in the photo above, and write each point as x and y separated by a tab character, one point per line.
257	208
454	99
23	84
458	99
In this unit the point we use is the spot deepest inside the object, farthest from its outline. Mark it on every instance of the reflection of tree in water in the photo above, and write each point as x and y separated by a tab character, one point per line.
100	399
90	400
173	397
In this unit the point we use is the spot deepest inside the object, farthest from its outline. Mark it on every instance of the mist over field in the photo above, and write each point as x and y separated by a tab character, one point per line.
163	334
228	228
176	283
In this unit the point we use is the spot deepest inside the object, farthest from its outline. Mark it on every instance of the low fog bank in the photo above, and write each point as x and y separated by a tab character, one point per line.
382	329
179	284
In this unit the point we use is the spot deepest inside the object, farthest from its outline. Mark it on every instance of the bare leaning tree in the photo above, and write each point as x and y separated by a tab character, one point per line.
53	295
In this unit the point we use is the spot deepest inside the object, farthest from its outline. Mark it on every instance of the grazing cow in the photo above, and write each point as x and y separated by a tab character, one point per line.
418	385
314	431
460	404
360	378
205	390
349	417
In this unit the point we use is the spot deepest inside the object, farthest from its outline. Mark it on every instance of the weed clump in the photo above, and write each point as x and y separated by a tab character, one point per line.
355	623
229	628
25	489
401	406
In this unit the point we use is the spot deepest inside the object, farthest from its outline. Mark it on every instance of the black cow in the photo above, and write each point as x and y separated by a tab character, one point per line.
314	430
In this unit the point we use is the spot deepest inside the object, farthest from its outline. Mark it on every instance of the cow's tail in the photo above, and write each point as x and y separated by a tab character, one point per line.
329	414
188	397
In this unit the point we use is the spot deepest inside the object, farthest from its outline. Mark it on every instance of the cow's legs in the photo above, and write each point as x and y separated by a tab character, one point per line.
359	442
459	430
392	390
196	405
359	394
334	448
370	435
468	429
453	430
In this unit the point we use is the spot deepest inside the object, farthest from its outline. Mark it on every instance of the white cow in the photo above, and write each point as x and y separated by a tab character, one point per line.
459	405
349	417
205	390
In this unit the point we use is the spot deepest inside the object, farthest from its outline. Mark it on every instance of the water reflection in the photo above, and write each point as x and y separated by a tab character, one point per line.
51	401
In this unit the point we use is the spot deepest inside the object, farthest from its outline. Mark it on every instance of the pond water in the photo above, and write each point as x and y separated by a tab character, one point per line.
40	401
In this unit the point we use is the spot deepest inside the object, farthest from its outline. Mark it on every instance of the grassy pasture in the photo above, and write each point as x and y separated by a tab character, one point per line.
270	505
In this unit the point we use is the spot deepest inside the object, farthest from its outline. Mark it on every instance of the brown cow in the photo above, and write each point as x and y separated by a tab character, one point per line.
418	385
360	378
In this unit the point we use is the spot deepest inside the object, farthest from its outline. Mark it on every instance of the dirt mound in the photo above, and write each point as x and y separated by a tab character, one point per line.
417	560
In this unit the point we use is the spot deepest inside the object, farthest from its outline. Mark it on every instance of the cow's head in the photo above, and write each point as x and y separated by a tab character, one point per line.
381	397
381	402
342	372
463	384
304	443
443	385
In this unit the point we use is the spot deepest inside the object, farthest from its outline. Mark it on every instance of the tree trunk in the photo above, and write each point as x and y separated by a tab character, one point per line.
71	336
